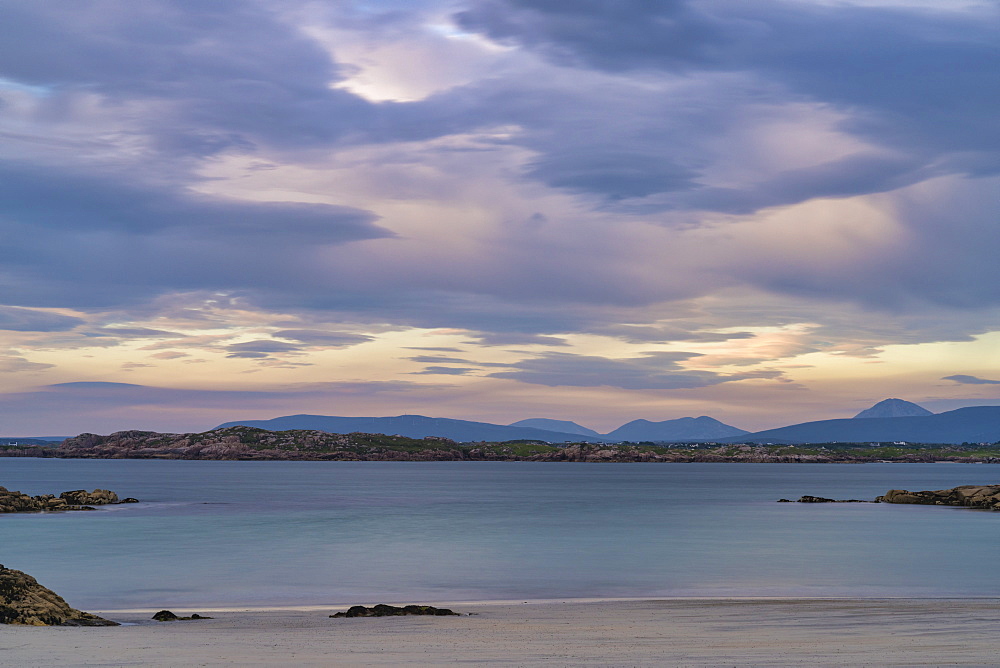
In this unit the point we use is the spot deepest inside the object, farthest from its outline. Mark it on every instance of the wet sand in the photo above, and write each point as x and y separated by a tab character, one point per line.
674	632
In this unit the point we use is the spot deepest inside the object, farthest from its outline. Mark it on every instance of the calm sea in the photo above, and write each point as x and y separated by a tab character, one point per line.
287	533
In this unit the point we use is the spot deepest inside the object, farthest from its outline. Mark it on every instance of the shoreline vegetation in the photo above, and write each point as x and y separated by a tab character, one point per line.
251	443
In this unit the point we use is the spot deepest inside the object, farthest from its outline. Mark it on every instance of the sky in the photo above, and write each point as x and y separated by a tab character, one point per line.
767	212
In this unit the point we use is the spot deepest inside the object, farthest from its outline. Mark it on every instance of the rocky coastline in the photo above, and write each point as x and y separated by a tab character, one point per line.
25	602
985	497
78	499
249	443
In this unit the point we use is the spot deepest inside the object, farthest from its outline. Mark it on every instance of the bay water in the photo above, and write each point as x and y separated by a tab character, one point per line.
210	533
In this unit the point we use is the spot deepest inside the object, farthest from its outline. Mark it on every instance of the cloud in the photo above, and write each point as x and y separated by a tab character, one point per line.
13	318
610	172
14	364
701	108
971	380
652	371
169	355
62	201
323	338
516	339
445	371
919	82
135	333
248	355
666	333
615	36
155	238
438	359
216	76
260	349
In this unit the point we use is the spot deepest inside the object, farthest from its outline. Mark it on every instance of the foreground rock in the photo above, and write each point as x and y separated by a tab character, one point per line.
78	499
167	616
383	610
24	601
969	496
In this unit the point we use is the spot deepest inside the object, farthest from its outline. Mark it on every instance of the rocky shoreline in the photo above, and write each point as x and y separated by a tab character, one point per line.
986	497
249	443
968	496
78	499
25	602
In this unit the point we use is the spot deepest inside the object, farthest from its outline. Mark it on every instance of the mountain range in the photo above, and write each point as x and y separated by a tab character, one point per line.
416	426
975	424
888	420
701	428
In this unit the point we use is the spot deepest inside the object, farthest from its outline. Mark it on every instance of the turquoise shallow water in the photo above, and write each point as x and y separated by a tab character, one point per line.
292	533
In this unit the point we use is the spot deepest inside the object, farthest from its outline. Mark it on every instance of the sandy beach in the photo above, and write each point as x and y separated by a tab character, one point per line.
675	632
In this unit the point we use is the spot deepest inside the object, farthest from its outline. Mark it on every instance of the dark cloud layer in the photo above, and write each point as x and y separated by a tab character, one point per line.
615	36
220	74
921	82
129	239
17	319
633	119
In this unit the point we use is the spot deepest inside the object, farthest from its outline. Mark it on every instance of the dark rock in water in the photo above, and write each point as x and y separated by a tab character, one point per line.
129	500
383	610
986	497
820	499
80	499
24	601
969	496
167	616
815	499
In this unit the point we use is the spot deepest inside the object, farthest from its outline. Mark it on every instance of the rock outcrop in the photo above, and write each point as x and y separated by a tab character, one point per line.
79	499
970	496
167	616
383	610
24	601
819	499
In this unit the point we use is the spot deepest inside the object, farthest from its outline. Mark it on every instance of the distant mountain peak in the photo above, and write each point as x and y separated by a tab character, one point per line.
888	408
702	428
